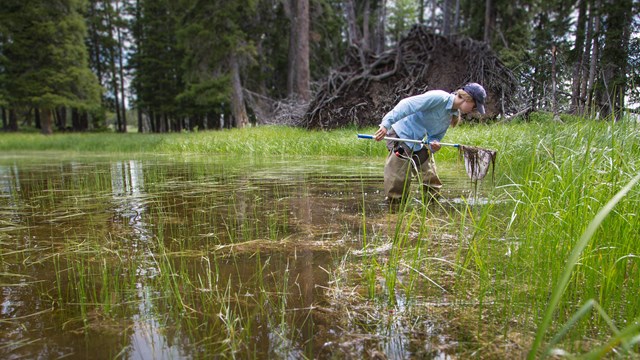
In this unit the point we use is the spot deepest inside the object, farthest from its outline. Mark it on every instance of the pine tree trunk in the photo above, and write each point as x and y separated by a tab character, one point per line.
456	19
290	10
75	120
434	10
554	87
137	30
446	23
238	109
298	76
151	119
352	23
46	127
489	21
115	84
595	54
121	70
379	42
61	118
578	50
84	121
140	121
13	120
586	58
37	124
302	75
5	123
95	44
535	91
614	58
366	33
158	121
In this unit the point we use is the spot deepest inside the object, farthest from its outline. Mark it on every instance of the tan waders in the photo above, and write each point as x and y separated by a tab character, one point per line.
402	164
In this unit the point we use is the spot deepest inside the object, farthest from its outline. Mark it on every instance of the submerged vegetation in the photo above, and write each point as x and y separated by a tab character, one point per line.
544	260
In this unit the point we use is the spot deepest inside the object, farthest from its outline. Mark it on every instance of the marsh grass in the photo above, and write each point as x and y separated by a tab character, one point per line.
513	252
484	271
267	140
572	172
260	141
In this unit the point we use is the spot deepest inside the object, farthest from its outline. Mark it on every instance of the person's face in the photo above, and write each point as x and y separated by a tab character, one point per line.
467	106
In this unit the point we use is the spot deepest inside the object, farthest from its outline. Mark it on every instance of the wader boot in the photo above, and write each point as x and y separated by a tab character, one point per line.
431	183
397	177
399	167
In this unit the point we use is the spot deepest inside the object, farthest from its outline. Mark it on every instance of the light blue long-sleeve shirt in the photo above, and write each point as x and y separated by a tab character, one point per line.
426	115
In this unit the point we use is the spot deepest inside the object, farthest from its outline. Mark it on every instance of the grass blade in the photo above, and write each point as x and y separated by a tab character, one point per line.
560	287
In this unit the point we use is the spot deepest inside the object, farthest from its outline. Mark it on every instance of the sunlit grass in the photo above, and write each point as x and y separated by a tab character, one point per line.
267	140
264	140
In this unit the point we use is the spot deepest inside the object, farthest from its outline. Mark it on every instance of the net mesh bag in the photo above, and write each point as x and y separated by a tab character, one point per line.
477	161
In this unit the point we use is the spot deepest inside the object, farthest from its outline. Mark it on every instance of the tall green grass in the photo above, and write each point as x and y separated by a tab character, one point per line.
265	140
560	179
528	262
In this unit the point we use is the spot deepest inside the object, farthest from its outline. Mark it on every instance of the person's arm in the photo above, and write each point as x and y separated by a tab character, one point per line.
409	106
403	109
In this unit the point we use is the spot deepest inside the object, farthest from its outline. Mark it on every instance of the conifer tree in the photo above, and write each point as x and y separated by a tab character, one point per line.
3	90
46	57
612	84
268	74
156	63
105	22
217	49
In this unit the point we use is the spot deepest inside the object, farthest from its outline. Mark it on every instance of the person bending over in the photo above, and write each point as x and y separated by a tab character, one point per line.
427	115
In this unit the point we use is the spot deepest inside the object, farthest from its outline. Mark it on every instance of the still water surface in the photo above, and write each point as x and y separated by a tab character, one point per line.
178	258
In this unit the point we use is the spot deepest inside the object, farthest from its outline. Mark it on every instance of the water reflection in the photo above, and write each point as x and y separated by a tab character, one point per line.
9	186
146	258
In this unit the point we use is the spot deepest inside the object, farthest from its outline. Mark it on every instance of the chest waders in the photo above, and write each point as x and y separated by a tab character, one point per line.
402	164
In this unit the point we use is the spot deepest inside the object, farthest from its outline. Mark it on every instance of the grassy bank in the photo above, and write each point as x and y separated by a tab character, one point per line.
572	250
267	140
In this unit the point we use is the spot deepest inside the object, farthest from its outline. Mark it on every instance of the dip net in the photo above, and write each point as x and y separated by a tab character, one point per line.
477	161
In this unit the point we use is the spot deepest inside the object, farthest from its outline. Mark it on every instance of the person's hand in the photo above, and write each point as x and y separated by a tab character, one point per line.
380	134
434	145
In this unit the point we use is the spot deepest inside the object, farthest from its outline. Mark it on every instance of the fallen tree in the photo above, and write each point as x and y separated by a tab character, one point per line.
367	86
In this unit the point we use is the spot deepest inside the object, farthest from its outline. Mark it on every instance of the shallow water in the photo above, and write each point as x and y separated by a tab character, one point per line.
191	257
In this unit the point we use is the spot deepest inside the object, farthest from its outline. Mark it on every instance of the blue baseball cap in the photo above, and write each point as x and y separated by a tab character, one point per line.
478	94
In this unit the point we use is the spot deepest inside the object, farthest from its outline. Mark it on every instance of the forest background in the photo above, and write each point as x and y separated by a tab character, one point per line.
170	66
